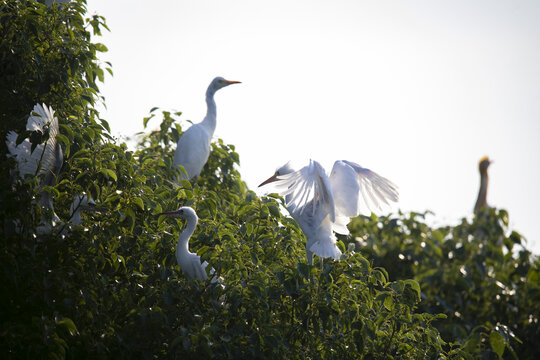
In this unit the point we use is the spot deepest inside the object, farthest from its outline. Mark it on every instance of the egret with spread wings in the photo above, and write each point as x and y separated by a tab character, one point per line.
323	204
46	159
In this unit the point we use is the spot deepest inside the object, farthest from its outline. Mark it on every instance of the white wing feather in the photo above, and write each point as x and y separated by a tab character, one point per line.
308	188
52	159
192	150
350	180
49	154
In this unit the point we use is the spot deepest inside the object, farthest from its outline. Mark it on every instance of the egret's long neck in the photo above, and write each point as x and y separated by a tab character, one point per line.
482	193
183	239
209	121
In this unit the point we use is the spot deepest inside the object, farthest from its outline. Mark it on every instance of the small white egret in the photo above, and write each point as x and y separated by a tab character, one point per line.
193	147
481	201
189	262
47	158
322	204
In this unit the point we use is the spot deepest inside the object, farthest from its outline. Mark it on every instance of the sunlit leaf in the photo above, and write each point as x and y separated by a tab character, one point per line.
497	343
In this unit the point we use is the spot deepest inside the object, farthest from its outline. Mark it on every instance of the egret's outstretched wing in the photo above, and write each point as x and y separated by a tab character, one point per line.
27	161
49	154
41	116
52	158
359	190
346	189
308	186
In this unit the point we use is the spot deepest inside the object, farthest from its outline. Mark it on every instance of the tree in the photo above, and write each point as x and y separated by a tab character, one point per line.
478	273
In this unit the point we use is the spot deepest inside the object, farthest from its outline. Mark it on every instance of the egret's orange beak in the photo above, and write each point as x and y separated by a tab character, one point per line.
269	180
229	82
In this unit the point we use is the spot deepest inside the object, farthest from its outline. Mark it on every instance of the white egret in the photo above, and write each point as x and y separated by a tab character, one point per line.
47	158
189	262
481	201
193	147
322	204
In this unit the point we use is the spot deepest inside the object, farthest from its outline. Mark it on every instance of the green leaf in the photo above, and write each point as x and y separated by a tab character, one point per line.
69	325
303	270
186	184
138	202
414	285
64	141
497	343
379	275
101	47
66	130
109	174
274	210
504	216
105	124
147	119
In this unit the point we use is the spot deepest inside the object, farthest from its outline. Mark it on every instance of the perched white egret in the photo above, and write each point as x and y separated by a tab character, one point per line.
189	262
323	204
193	147
47	158
481	201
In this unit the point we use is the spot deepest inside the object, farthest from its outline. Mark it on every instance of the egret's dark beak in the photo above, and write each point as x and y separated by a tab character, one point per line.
269	180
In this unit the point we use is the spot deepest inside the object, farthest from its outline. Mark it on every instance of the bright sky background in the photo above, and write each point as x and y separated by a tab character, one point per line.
417	91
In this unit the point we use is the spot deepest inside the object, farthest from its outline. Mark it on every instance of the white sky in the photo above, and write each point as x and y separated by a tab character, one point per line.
417	91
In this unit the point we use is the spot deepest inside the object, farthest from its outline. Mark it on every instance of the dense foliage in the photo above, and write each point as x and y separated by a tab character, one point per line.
111	287
478	273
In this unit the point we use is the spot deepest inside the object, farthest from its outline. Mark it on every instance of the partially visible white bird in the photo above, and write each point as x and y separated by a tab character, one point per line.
80	203
481	200
47	158
189	262
193	147
323	204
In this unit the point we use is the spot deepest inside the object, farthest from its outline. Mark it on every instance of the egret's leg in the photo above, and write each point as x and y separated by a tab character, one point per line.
309	257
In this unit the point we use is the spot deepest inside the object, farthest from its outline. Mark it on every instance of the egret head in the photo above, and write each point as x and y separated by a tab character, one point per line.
220	82
185	212
483	164
285	169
